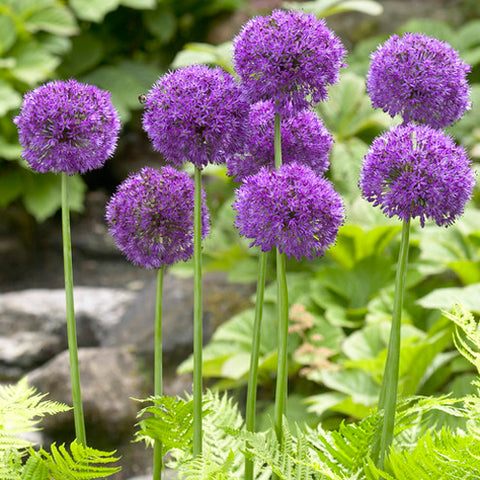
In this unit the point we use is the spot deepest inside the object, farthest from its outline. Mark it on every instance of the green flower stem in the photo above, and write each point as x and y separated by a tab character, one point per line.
282	365
278	141
197	317
388	394
158	369
282	302
254	355
71	327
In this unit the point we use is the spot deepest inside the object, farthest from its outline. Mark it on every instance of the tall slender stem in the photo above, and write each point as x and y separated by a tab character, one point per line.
254	355
282	305
388	393
277	140
71	327
158	369
197	317
282	366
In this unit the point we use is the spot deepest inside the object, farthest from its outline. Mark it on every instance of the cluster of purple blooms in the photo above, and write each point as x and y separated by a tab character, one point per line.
415	170
67	127
151	217
285	62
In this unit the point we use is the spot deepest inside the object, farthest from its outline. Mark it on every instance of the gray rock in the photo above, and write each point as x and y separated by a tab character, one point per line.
110	378
23	351
97	311
221	301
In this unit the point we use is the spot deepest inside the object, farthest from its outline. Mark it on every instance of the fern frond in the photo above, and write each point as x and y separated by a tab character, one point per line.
291	459
10	464
83	463
35	469
21	409
346	449
438	455
467	334
206	468
169	420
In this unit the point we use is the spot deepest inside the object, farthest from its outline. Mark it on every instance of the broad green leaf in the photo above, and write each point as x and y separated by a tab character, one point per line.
355	383
9	151
198	53
87	51
139	4
93	10
345	164
56	20
322	402
433	28
361	283
125	81
325	8
11	185
9	33
468	36
447	298
42	197
354	244
162	23
9	98
55	44
348	110
34	64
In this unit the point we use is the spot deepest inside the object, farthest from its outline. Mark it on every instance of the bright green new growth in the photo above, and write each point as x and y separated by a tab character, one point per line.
21	409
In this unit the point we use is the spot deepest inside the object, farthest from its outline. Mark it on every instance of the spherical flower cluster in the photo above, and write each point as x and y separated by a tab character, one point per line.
151	217
416	171
305	140
195	114
66	126
288	57
290	208
420	78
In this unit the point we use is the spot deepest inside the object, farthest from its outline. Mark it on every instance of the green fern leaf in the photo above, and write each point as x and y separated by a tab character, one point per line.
438	455
35	469
84	463
10	464
169	420
21	409
467	334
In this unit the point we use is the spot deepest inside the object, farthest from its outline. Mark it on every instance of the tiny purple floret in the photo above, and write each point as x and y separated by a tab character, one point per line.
67	126
150	217
305	140
195	114
420	78
288	57
415	171
291	208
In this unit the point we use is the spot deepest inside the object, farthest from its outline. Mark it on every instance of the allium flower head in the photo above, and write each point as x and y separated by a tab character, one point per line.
195	114
305	140
416	171
420	78
151	217
288	57
67	126
290	208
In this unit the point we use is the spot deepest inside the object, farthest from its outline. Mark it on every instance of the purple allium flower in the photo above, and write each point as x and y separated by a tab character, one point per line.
288	57
417	171
291	208
305	140
67	126
420	78
151	217
195	114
